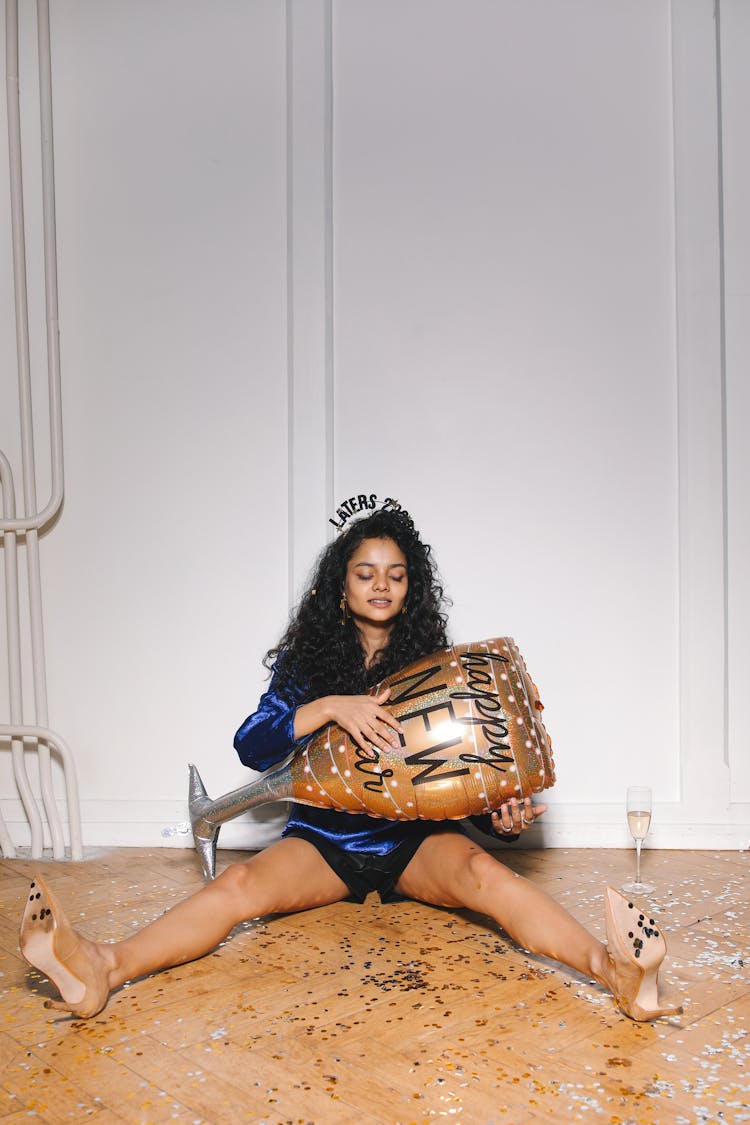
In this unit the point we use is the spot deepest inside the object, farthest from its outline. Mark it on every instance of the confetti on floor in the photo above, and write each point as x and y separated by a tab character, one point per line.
393	1014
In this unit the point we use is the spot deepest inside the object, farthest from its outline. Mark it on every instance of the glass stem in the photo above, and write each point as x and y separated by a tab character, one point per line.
638	860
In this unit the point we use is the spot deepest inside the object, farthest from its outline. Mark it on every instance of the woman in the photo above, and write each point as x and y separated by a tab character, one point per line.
375	606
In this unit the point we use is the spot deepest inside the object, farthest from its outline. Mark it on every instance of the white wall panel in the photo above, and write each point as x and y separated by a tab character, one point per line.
504	312
702	515
735	41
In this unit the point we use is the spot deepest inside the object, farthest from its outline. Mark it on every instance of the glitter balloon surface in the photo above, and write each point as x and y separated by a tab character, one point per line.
473	737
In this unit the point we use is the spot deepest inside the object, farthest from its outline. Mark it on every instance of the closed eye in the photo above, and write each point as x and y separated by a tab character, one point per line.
392	577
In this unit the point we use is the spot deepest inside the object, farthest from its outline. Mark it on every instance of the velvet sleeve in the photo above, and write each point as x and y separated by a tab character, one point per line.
267	736
484	824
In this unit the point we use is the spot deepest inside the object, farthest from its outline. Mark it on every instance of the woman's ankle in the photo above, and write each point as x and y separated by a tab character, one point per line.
104	956
602	968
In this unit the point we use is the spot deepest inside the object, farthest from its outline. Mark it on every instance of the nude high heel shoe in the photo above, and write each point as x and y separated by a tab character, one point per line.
50	944
636	948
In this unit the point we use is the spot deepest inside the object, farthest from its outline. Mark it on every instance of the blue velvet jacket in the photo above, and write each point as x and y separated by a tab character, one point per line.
267	737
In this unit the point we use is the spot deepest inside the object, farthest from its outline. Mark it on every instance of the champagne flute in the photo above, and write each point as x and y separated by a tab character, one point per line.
639	821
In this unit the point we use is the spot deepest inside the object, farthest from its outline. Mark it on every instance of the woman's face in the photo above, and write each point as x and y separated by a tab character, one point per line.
376	582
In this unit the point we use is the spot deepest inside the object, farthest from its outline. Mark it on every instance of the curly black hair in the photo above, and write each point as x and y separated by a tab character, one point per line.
317	651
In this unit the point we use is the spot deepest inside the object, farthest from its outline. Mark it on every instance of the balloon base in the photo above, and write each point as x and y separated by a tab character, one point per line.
205	834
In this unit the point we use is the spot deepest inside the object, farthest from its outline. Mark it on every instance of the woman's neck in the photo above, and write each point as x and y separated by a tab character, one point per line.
373	638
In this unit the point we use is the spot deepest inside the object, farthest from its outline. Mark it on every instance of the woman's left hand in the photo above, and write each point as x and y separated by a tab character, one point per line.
516	816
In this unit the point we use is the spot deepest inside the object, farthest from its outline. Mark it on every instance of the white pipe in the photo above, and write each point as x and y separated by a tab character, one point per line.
39	664
14	670
24	373
7	848
39	678
18	227
34	520
71	783
13	631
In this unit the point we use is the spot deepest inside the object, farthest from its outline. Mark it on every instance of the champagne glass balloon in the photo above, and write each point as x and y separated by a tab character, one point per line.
639	821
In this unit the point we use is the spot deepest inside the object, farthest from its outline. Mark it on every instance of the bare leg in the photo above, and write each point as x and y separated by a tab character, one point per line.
451	870
288	876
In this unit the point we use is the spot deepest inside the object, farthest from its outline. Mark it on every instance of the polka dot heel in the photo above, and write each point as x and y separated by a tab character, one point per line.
636	949
49	943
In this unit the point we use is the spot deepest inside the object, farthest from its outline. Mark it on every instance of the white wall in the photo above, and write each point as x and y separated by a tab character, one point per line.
468	254
505	285
735	37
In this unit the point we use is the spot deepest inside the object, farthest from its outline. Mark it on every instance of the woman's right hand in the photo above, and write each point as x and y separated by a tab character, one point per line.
366	719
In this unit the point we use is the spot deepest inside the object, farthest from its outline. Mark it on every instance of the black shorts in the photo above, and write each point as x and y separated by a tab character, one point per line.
363	872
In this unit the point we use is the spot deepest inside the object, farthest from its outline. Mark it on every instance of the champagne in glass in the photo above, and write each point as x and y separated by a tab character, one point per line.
639	822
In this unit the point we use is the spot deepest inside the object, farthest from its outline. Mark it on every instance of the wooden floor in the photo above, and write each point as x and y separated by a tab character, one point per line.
377	1014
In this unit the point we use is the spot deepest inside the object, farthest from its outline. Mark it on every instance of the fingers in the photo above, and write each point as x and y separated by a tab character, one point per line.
382	731
381	727
390	720
507	819
514	816
368	721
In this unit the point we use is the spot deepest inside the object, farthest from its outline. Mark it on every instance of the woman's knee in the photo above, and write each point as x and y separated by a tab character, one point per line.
234	879
288	876
242	885
465	877
483	872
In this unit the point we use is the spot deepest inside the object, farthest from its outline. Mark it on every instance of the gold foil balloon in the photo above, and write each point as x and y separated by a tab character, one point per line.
473	737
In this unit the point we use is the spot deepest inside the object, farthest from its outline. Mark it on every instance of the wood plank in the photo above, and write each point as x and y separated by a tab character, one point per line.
383	1014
